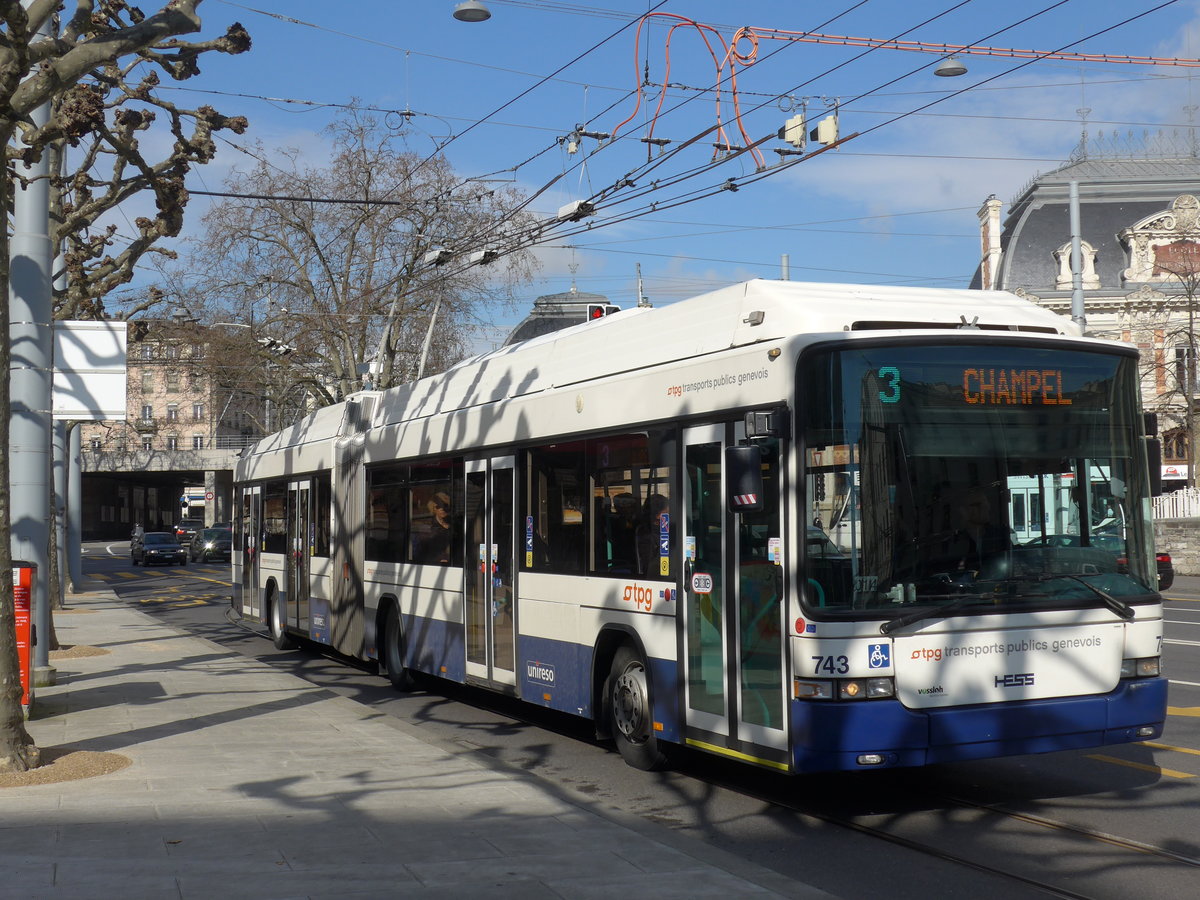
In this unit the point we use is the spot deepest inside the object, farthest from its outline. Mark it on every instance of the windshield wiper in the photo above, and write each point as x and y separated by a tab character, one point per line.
929	612
1117	605
1120	607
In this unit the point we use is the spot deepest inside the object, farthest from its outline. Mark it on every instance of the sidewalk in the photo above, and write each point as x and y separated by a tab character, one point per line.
249	782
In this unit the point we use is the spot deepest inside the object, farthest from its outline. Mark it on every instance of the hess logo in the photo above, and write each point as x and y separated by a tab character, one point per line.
1017	680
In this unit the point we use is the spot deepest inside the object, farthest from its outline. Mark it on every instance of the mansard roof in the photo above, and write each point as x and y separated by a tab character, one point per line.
1121	182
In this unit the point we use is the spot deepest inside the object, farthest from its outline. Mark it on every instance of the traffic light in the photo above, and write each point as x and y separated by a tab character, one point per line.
600	310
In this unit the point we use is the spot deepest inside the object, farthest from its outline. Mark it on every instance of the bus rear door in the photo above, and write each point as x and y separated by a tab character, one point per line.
299	527
734	629
250	601
490	563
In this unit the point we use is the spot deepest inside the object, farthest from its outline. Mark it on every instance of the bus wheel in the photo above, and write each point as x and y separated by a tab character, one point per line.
628	695
279	636
393	650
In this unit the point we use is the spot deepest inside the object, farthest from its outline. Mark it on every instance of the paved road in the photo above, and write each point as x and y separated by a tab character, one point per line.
1058	818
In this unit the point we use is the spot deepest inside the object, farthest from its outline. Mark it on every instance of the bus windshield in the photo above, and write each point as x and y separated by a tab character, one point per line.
994	477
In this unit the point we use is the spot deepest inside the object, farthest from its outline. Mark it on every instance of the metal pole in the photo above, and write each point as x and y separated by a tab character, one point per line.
428	338
785	268
1078	315
58	479
75	509
32	339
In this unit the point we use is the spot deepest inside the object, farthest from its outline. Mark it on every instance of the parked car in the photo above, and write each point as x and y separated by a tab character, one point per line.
1166	570
161	547
210	544
187	528
1113	544
1109	542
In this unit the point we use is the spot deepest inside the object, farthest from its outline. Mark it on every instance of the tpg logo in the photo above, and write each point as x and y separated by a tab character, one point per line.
538	671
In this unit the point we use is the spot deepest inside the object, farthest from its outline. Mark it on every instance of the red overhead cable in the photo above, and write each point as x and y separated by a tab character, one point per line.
813	37
741	51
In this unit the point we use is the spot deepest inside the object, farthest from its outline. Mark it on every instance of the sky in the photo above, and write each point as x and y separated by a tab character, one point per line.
896	203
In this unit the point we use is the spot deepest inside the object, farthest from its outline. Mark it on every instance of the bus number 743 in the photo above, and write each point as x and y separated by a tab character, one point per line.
830	665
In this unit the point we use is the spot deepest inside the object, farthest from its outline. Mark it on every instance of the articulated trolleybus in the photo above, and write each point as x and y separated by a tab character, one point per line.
773	522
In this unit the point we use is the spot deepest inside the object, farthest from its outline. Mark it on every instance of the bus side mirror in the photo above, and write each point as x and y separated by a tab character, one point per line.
743	478
1154	464
1153	452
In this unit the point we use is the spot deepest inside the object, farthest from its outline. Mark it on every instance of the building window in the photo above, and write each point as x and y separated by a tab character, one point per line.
146	444
197	412
147	411
196	382
95	443
1175	445
173	382
172	351
197	442
172	443
147	382
172	412
1185	375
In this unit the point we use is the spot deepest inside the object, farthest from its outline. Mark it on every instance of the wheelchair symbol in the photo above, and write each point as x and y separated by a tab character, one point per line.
881	656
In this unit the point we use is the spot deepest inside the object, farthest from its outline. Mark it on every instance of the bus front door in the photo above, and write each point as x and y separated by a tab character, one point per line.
490	562
734	609
250	542
299	538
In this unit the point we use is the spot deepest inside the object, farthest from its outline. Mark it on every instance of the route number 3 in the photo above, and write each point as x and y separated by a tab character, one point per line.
890	375
830	665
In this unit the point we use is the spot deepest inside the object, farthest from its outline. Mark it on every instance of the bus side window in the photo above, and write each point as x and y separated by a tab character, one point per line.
553	506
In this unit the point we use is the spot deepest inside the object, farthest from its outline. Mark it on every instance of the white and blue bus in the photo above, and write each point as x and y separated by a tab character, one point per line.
773	522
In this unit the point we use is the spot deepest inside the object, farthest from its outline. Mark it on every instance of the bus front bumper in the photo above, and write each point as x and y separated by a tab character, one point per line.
857	735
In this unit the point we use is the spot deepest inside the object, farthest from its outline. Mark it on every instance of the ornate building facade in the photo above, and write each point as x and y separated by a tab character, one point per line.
174	453
1139	224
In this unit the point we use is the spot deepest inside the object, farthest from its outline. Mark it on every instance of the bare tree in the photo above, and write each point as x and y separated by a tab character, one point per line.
337	262
103	120
37	70
1185	269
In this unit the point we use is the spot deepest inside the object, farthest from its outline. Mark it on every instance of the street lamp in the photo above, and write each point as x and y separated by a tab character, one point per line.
472	11
950	67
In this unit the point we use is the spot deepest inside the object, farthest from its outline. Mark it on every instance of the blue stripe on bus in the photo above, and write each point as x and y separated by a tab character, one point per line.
558	675
555	674
830	736
434	646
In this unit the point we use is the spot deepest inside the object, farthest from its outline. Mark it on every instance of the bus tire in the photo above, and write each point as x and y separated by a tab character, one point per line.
627	696
279	635
393	652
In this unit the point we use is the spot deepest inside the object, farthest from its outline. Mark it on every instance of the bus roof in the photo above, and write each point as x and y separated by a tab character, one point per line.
743	314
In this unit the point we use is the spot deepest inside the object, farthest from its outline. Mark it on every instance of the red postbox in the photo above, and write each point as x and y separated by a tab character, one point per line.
23	574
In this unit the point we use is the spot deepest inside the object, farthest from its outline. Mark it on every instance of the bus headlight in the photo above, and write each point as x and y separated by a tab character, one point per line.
1146	667
851	689
844	688
881	687
813	690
